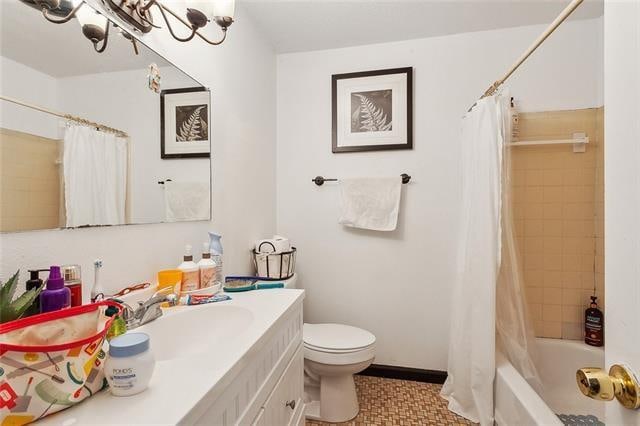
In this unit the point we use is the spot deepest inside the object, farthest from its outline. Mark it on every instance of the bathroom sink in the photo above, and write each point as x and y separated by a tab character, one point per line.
190	330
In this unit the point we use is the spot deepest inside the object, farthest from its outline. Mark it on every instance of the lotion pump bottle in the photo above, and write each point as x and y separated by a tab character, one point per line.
594	324
207	268
190	272
55	296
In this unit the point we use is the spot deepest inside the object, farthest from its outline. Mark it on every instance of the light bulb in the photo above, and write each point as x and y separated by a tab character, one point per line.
224	8
88	16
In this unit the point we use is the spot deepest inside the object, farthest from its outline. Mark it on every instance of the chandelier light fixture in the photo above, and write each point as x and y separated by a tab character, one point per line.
137	14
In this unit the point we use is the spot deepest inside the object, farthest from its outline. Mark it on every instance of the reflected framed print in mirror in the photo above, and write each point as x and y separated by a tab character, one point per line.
372	110
184	123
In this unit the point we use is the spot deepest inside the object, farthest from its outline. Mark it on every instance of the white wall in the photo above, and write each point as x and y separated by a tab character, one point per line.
397	284
21	82
241	75
622	189
135	109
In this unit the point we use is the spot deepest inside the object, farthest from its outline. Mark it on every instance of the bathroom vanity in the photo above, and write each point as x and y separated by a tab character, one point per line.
233	362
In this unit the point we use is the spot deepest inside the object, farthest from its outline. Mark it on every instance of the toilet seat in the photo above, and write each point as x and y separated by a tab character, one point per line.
337	344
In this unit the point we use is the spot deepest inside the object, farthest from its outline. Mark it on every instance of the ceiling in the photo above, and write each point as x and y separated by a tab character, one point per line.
289	25
62	50
295	25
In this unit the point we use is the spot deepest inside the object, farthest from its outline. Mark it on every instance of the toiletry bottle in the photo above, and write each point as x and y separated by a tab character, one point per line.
34	282
118	326
190	272
55	296
594	324
73	281
215	247
207	268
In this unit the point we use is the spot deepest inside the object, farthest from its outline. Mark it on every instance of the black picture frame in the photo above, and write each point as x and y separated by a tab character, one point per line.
163	144
336	147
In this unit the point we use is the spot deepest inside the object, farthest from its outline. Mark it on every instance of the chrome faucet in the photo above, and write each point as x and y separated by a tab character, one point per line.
147	311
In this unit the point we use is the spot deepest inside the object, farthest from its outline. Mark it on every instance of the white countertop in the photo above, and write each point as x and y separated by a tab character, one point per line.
183	387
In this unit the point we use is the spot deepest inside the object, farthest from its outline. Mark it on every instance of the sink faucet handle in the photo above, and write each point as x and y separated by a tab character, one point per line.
172	299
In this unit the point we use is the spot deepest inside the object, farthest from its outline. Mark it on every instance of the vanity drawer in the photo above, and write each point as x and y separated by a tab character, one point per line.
285	405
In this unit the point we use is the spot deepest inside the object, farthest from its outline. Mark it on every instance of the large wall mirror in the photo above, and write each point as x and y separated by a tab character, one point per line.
124	154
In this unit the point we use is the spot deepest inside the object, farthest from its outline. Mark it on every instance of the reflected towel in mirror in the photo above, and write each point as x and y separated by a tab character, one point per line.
186	201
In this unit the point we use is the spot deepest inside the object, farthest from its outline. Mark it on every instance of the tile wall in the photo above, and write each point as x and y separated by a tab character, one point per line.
558	202
30	197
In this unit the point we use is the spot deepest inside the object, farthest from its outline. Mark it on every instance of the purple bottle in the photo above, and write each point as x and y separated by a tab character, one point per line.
55	296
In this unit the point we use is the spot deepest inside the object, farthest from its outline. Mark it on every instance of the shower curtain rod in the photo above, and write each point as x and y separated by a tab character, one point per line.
69	117
550	29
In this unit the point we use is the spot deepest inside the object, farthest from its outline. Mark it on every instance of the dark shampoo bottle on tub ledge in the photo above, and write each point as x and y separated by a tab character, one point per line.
594	324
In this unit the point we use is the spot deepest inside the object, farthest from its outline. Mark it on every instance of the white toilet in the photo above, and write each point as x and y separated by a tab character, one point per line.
333	353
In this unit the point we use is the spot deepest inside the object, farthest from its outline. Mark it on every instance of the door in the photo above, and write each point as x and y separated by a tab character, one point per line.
622	193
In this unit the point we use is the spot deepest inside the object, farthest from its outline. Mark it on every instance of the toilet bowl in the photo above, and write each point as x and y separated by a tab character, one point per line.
333	353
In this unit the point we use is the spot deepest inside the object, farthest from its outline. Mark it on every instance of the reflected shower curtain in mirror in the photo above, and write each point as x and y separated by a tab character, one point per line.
95	177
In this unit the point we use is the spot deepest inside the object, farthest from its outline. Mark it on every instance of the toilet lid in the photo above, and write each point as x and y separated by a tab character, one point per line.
336	337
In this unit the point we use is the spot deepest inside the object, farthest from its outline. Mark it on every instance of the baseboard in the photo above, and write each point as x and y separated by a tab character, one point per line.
405	373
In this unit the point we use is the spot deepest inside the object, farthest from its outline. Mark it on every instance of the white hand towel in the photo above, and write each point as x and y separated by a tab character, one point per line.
187	201
370	203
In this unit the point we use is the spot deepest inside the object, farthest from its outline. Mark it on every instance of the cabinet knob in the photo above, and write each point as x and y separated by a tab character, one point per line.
291	404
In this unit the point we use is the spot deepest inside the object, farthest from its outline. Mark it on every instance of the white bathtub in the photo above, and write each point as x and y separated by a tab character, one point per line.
517	403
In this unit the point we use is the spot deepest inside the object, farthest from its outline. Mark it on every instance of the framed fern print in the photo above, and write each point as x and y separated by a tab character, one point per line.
184	123
372	110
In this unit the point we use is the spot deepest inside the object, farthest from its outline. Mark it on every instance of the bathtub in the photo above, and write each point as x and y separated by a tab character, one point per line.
517	403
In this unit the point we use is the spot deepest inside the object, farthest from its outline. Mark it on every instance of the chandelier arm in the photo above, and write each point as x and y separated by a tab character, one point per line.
148	5
214	43
45	13
104	41
145	20
162	9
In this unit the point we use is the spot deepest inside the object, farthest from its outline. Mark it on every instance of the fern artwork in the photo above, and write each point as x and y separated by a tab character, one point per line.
185	128
371	111
191	123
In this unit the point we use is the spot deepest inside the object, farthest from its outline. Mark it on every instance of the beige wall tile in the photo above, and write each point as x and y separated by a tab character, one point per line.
572	314
571	297
535	310
559	212
553	194
572	331
535	295
534	245
552	329
553	211
553	177
533	227
552	296
553	228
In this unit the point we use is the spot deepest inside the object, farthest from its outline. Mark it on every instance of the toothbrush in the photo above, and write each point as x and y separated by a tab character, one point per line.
97	293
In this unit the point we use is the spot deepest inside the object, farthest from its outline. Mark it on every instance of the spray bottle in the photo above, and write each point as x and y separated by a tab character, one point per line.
215	248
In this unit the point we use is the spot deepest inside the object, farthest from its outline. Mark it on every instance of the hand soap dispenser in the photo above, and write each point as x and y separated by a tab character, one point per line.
190	272
34	282
55	296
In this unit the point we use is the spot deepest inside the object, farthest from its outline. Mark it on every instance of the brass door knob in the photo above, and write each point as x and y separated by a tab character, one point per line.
620	383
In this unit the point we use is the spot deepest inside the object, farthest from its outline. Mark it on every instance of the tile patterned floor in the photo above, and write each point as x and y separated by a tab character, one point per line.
399	402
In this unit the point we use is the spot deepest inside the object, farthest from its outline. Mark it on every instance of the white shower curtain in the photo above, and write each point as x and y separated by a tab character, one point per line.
95	177
471	367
